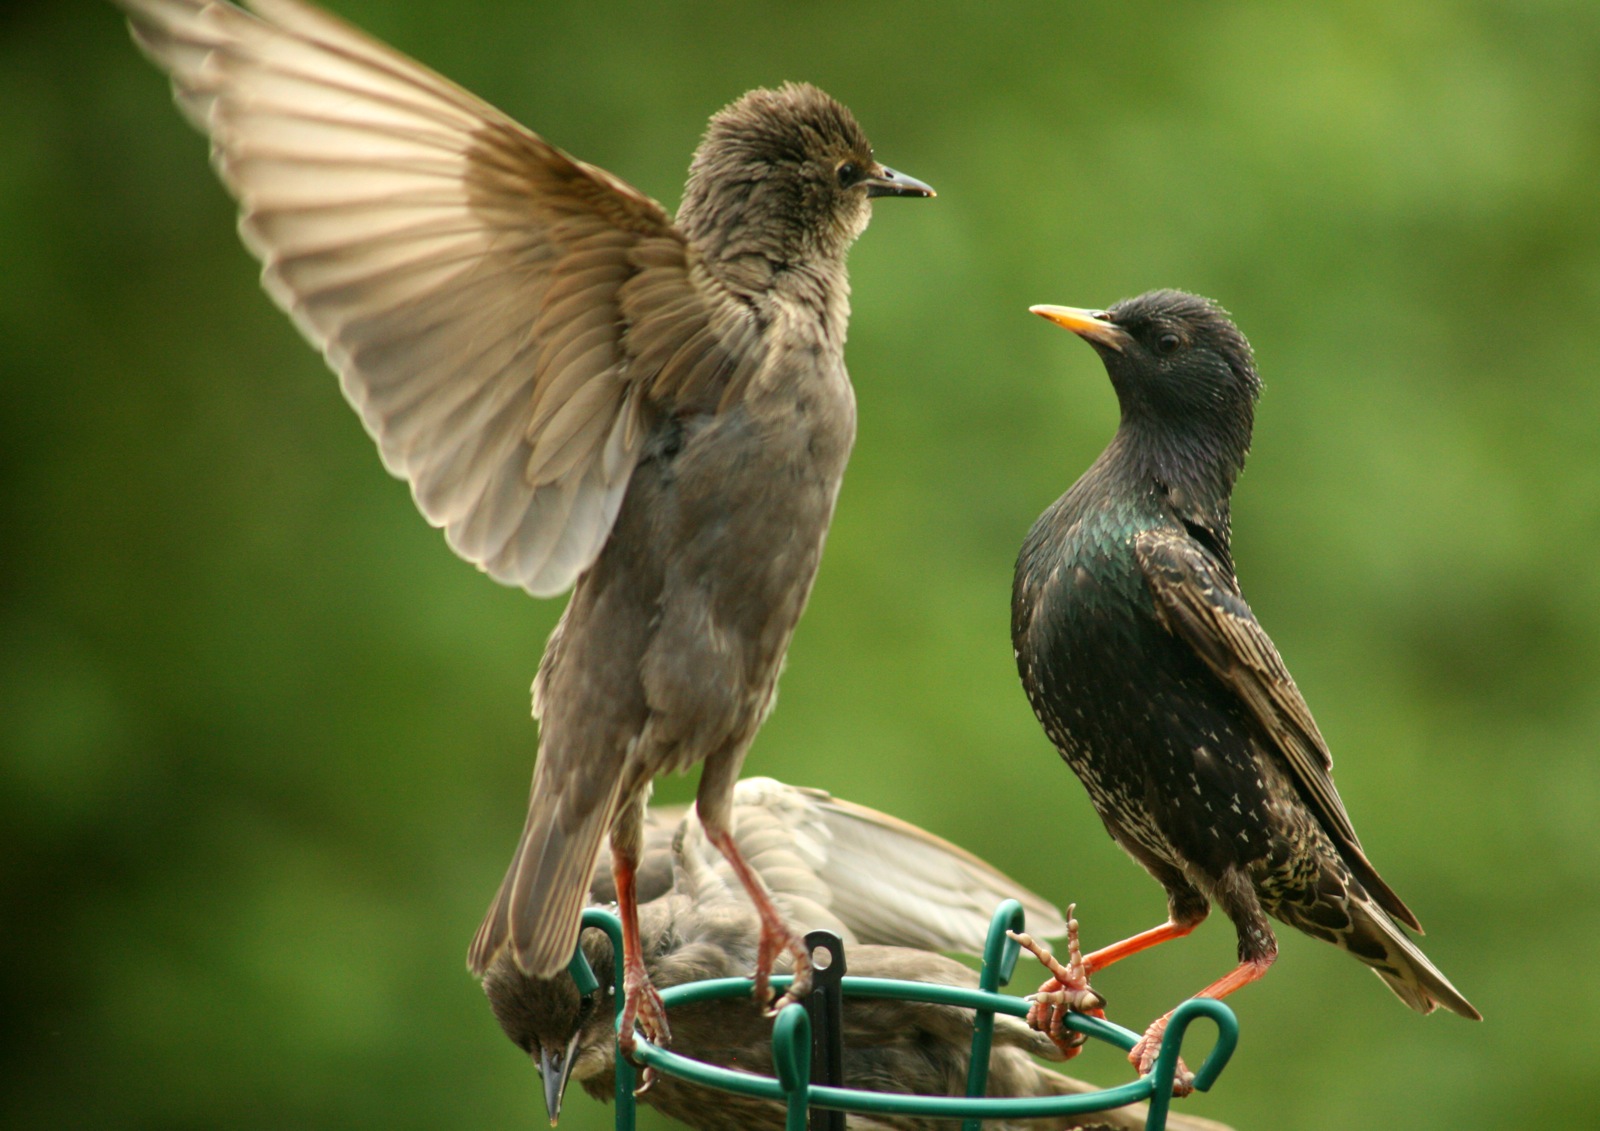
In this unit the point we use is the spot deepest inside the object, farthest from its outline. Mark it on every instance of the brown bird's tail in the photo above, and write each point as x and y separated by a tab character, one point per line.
1379	941
540	901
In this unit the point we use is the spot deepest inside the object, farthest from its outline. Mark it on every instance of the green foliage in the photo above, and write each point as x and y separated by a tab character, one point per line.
264	742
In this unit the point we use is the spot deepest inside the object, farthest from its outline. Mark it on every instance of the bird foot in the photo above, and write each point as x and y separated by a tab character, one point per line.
773	943
642	1008
1143	1057
1066	990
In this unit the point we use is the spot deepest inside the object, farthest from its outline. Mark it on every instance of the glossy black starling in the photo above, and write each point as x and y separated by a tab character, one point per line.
1150	674
895	893
578	388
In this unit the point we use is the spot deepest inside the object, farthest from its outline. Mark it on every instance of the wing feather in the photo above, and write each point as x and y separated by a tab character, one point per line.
500	314
1199	602
886	880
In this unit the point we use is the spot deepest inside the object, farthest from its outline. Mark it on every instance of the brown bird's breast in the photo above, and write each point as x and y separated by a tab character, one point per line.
674	639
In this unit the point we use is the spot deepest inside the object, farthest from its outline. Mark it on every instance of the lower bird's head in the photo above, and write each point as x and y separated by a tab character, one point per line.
786	175
1183	372
568	1034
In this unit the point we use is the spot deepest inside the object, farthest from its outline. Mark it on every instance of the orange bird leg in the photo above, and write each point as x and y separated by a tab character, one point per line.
641	1003
776	937
1144	940
1143	1055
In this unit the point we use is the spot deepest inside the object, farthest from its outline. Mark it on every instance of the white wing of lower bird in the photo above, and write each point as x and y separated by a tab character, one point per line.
885	879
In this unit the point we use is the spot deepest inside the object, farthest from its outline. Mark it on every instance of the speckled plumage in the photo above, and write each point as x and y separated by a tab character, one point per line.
1150	675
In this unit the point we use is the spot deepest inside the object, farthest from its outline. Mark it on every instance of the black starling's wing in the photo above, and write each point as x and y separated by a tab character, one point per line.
886	880
504	318
1200	603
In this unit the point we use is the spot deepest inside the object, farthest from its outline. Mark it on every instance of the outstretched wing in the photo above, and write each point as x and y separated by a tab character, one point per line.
505	318
903	886
1200	604
884	879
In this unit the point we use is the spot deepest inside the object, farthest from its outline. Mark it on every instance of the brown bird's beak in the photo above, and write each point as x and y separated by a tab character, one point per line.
1090	325
887	182
555	1068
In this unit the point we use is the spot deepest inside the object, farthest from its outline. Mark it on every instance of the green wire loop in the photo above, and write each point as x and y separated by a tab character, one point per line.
1000	950
791	1056
1166	1066
1000	953
583	974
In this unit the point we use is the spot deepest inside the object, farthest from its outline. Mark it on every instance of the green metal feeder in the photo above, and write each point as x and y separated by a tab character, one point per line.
792	1044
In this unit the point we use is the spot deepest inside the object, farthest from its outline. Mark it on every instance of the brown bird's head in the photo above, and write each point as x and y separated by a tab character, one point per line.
566	1034
785	176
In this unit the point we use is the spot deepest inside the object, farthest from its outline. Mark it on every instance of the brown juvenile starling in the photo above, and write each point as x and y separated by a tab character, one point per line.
578	389
870	878
1150	674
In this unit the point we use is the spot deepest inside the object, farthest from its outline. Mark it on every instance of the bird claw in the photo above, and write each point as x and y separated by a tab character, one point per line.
788	998
772	945
1076	1001
642	1008
778	1005
1066	990
629	1046
1143	1057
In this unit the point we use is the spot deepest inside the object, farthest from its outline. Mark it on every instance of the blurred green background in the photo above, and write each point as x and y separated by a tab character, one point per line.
264	742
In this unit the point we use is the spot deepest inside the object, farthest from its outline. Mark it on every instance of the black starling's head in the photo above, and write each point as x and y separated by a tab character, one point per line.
1180	367
785	175
567	1034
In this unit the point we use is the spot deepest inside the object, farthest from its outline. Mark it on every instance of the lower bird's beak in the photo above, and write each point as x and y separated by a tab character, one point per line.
886	182
556	1068
1090	325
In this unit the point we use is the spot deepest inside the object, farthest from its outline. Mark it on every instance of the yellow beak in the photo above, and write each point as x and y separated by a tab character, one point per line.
1089	325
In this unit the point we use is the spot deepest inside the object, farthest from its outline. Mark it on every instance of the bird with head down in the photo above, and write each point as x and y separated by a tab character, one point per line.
581	390
1152	677
895	893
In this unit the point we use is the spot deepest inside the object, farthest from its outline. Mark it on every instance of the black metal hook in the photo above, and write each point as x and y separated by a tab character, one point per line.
825	1008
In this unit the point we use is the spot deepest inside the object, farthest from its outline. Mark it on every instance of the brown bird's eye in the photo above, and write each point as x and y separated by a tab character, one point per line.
1167	343
849	174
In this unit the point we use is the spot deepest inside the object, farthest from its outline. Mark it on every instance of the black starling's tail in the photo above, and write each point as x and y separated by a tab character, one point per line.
541	900
1379	941
1356	860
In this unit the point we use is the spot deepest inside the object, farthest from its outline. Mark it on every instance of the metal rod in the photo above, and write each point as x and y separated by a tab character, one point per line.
999	960
605	921
825	1007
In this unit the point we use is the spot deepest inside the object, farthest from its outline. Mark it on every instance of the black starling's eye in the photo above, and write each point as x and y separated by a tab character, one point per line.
1167	343
586	1005
849	174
